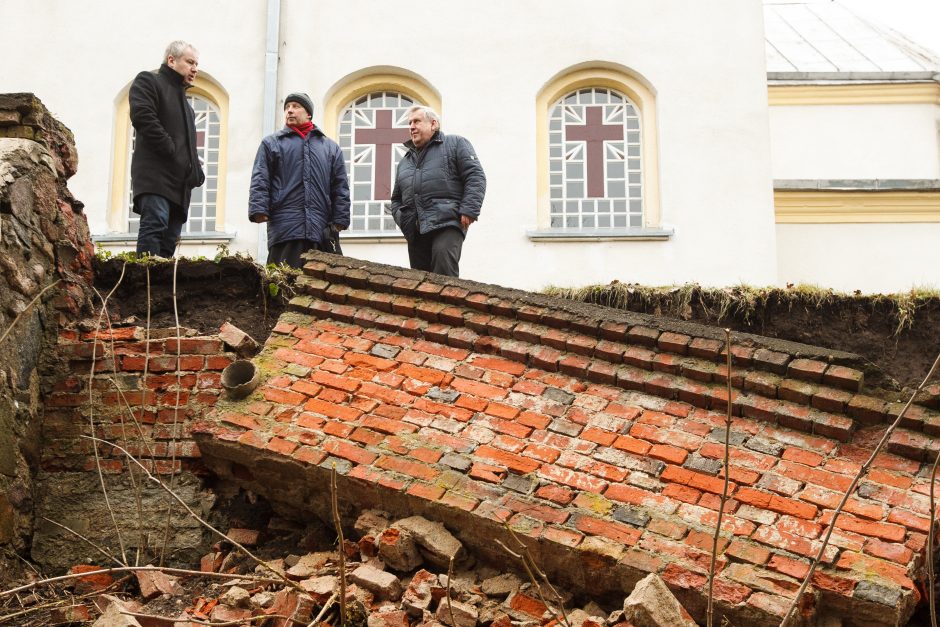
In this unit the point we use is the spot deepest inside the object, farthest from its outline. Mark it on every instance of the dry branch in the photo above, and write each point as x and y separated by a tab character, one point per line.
848	493
724	492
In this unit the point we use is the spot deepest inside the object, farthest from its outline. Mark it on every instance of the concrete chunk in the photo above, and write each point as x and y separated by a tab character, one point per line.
382	584
464	614
651	604
399	550
437	544
419	594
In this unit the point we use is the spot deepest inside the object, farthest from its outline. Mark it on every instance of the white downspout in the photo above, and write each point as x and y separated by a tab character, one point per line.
269	107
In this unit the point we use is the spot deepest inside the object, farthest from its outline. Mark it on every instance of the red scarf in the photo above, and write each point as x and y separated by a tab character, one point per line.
303	129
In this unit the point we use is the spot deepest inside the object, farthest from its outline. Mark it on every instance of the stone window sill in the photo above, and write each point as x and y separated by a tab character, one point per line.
599	235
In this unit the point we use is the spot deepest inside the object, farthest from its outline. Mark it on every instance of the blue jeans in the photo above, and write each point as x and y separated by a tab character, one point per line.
161	223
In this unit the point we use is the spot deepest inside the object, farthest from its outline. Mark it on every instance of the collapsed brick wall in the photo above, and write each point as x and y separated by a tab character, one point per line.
44	238
142	395
594	433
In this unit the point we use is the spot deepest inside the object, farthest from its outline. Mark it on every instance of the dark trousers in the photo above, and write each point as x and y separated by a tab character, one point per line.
161	223
289	252
437	251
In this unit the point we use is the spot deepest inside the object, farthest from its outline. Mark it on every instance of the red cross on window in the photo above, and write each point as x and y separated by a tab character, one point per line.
595	133
383	136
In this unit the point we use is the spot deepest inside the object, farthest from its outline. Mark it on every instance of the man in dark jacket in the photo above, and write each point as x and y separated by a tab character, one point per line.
299	186
438	193
165	167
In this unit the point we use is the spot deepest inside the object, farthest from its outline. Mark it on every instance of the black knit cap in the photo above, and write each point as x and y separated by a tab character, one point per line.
302	99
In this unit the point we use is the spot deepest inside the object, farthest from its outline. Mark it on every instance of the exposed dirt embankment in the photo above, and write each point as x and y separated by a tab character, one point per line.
898	334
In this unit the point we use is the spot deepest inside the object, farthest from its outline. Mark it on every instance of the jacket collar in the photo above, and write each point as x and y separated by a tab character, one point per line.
173	76
436	138
288	130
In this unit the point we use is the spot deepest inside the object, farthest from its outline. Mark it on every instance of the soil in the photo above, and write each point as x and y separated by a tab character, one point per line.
208	294
899	337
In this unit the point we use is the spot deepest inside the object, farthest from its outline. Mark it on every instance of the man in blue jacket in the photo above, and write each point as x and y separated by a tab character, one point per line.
165	167
299	186
439	189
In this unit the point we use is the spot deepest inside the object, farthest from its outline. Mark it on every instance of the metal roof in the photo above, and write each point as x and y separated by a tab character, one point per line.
825	40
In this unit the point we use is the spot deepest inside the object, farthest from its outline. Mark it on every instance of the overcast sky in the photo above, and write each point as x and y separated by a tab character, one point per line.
919	20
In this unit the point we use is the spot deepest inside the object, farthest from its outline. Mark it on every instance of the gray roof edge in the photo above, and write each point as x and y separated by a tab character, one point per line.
925	76
878	185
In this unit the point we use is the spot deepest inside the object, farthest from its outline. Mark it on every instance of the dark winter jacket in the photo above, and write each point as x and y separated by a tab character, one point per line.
300	184
165	160
436	185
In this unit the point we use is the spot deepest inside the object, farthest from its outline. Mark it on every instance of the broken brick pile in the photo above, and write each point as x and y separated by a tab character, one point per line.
595	433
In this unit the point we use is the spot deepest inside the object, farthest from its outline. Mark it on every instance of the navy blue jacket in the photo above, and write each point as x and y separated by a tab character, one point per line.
435	186
300	184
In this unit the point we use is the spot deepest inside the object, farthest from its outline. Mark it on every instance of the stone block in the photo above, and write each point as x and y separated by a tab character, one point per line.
384	585
651	604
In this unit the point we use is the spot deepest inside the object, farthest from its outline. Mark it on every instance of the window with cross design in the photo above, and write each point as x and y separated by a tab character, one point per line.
203	206
372	129
595	165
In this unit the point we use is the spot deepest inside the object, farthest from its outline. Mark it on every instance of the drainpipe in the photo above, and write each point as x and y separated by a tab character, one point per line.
269	107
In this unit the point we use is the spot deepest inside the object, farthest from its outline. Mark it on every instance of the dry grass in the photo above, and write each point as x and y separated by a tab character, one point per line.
742	303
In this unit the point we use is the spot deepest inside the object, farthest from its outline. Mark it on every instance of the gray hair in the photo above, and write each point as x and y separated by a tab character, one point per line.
176	49
429	113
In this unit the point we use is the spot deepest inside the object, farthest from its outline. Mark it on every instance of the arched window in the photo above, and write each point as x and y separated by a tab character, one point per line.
371	131
595	161
598	174
203	206
366	113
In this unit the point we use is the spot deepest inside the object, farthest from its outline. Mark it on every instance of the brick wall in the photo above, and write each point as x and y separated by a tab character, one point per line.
139	399
43	239
595	432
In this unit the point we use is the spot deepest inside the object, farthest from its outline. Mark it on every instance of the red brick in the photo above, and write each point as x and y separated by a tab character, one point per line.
776	503
844	378
747	552
794	568
556	494
669	454
624	534
410	468
283	397
884	531
348	451
367	361
541	453
385	425
282	446
568	477
515	463
478	389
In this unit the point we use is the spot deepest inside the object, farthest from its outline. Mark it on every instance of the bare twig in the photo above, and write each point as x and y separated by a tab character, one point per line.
91	411
342	551
201	521
130	569
527	557
326	606
724	492
931	538
450	578
27	308
176	411
85	540
538	588
193	621
845	497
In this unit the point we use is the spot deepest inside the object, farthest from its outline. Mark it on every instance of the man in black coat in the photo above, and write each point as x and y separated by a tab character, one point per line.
439	189
165	167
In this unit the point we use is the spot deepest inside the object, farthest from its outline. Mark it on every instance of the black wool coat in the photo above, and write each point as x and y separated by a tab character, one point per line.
165	160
